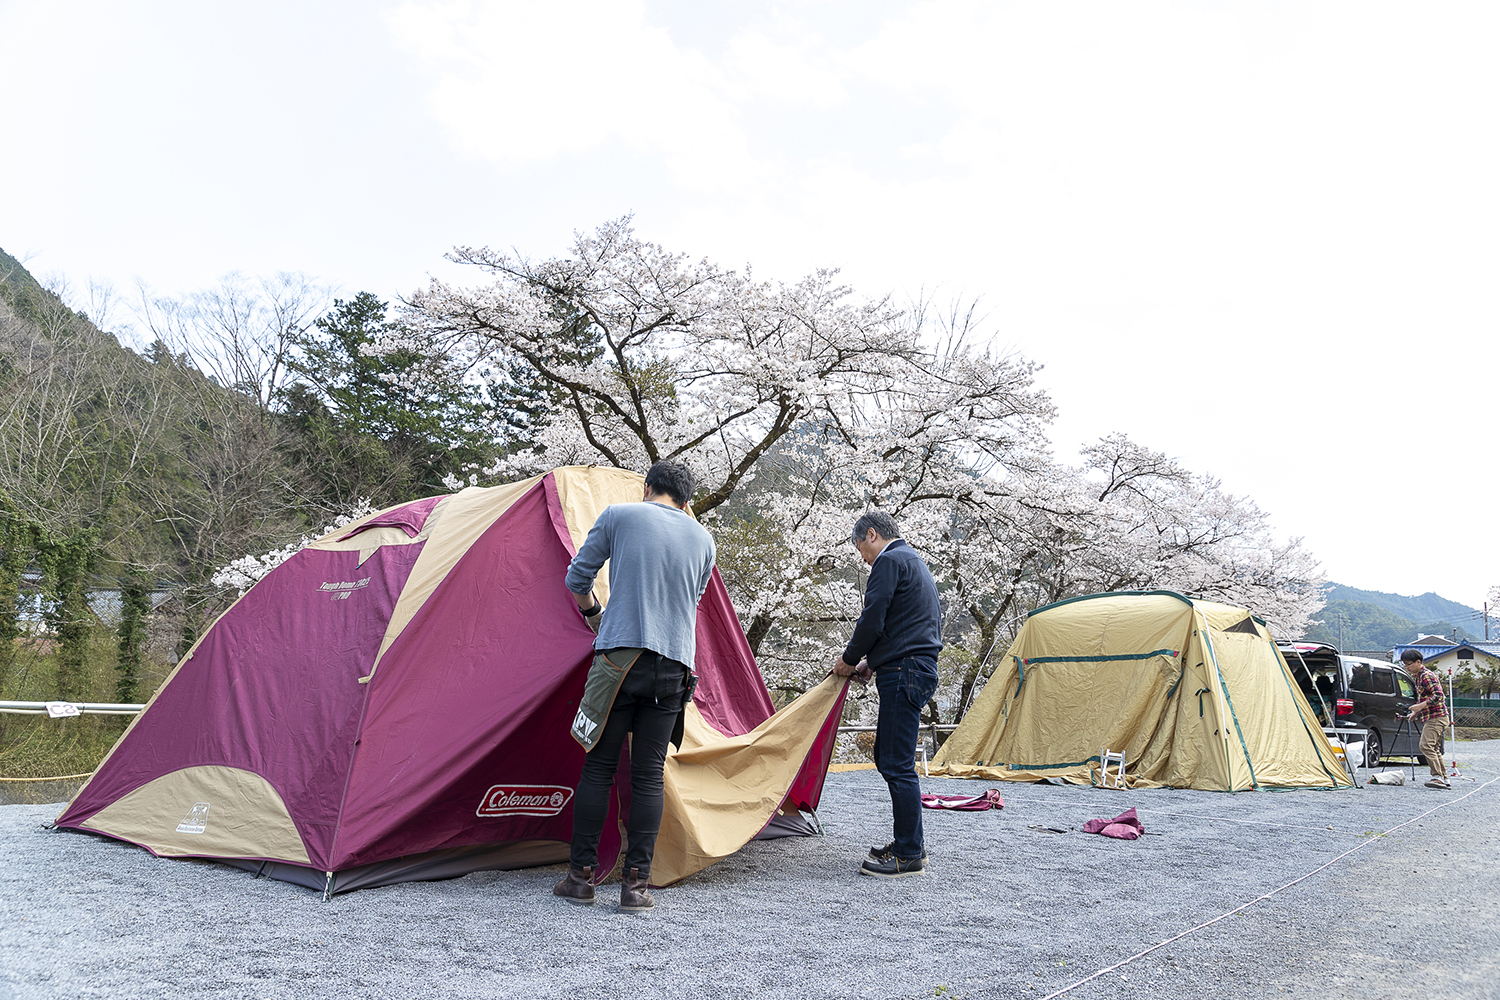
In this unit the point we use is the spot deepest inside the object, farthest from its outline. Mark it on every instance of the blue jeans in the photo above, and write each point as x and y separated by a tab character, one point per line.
905	685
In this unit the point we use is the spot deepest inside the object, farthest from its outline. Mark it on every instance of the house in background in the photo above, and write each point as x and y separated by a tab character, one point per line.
1479	659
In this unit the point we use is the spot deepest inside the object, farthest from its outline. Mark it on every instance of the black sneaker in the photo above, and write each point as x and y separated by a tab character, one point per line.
890	866
889	850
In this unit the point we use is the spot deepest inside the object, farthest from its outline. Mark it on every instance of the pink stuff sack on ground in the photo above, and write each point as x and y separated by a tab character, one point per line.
1123	827
990	799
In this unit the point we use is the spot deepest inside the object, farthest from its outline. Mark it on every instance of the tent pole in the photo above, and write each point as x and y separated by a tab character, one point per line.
328	887
1226	717
1314	682
987	654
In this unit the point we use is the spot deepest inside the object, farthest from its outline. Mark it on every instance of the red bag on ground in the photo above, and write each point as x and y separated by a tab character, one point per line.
1123	827
967	803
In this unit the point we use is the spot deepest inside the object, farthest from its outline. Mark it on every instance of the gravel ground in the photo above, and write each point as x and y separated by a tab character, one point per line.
1004	911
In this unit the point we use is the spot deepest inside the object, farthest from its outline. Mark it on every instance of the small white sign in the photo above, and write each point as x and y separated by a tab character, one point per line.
583	726
61	710
196	821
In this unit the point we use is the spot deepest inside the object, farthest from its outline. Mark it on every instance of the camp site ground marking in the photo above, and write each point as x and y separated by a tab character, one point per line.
196	821
524	800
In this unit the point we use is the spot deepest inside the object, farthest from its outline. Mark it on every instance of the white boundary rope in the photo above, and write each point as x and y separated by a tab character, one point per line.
1252	822
1207	923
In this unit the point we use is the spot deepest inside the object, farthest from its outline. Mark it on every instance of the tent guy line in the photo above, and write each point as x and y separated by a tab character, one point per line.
1258	899
1255	822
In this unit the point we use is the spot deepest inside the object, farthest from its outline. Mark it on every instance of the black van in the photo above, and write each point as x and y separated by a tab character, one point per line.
1357	693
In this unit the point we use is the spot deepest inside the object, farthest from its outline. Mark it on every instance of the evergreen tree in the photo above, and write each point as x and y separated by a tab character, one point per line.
388	426
67	566
135	605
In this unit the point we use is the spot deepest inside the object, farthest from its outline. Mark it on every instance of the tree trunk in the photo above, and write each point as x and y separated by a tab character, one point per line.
135	604
760	625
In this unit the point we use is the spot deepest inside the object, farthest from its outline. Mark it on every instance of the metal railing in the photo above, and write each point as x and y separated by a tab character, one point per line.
66	709
62	709
930	727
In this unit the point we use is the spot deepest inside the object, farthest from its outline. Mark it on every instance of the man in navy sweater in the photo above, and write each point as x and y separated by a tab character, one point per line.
898	638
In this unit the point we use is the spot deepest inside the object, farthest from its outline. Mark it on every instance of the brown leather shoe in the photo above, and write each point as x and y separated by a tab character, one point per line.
577	886
633	894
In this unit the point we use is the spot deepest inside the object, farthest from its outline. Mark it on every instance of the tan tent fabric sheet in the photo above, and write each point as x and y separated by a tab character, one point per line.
721	791
583	494
211	811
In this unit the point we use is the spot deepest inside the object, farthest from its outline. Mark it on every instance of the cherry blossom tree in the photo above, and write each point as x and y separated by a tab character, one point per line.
799	406
648	355
842	404
1161	527
1002	545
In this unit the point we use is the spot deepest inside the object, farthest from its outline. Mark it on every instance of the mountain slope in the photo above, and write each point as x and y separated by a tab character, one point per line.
1375	620
1427	607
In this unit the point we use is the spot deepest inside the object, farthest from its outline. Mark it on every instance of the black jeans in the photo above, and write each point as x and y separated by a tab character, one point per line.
647	706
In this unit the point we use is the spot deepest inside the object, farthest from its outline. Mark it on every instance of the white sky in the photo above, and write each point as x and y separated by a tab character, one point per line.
1261	237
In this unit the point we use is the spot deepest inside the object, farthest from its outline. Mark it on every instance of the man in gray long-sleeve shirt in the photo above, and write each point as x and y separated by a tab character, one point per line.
660	561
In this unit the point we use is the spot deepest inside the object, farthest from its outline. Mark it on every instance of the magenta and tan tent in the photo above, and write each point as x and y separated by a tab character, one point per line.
393	702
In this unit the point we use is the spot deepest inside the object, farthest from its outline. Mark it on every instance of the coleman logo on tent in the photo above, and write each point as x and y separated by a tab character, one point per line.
524	800
340	590
196	821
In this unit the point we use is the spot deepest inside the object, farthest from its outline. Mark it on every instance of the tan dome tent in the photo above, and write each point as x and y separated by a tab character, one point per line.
1193	693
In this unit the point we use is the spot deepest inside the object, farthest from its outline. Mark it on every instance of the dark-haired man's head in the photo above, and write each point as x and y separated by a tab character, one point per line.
1410	657
670	479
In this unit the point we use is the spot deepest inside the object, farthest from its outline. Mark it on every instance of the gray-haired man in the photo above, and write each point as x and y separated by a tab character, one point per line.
898	637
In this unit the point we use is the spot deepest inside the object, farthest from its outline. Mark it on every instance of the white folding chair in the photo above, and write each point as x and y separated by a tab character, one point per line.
1106	758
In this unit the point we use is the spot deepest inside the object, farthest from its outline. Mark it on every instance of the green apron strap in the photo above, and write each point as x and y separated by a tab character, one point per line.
599	691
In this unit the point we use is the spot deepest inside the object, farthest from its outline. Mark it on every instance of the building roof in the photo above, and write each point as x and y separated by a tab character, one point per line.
1431	651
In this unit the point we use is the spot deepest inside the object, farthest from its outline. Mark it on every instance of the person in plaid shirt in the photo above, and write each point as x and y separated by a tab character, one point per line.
1432	712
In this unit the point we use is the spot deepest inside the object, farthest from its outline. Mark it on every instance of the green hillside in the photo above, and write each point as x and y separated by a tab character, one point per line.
1428	607
1375	620
141	473
18	280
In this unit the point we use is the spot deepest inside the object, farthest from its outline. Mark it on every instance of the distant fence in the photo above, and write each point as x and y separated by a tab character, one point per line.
1477	713
36	791
58	788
